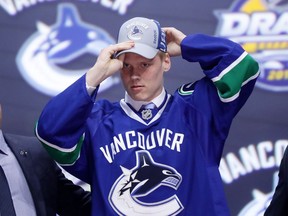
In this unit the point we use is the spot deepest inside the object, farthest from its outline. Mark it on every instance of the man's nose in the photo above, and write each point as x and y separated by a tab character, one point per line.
134	71
135	74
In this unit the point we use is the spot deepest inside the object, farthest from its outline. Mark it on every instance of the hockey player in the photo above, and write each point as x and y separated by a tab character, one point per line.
160	159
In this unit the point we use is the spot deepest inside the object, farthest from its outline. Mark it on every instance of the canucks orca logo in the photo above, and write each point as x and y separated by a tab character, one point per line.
260	26
187	89
136	30
45	56
127	195
135	33
261	201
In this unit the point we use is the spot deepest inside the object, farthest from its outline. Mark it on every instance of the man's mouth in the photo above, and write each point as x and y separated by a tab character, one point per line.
136	86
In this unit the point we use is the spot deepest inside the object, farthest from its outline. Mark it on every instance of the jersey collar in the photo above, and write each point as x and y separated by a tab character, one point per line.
138	104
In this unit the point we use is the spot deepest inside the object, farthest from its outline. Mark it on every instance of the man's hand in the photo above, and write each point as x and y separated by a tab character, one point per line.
174	38
106	65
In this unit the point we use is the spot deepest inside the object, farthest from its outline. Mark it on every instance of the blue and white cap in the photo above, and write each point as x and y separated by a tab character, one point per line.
147	34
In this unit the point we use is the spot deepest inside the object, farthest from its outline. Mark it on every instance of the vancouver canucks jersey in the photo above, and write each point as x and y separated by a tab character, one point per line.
163	164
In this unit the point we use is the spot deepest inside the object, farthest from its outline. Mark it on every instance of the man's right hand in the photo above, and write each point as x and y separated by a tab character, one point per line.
106	65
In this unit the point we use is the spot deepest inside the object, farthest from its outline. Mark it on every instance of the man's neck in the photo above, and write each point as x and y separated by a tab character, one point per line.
137	104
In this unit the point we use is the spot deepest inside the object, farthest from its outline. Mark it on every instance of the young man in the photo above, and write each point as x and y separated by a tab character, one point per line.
145	161
36	185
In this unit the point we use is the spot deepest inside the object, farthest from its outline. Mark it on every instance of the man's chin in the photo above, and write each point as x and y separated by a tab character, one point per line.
138	97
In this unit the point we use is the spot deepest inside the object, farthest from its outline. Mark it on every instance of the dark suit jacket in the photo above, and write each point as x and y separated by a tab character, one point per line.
279	203
51	191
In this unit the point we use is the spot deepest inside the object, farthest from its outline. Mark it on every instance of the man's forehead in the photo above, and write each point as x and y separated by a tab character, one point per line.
135	57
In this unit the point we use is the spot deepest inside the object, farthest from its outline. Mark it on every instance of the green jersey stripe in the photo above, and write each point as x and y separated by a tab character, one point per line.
64	156
229	84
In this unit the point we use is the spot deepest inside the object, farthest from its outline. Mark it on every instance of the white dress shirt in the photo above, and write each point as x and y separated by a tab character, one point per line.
138	104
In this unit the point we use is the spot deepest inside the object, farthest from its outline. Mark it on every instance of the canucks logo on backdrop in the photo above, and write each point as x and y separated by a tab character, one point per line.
260	26
249	162
43	57
258	205
127	195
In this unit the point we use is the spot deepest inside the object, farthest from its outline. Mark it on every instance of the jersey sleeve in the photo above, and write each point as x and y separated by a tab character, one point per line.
61	128
224	62
230	75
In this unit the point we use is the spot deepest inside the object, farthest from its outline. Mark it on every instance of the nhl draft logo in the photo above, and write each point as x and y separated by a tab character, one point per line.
45	59
260	26
142	181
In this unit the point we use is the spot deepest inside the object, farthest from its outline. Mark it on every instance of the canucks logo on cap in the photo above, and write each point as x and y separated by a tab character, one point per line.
135	33
147	35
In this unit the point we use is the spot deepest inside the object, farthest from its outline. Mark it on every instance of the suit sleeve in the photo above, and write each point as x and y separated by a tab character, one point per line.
52	192
72	199
278	205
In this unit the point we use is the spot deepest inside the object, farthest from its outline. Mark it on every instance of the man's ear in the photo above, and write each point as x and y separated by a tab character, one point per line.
166	62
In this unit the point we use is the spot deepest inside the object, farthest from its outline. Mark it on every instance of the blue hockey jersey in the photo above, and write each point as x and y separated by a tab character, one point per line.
169	165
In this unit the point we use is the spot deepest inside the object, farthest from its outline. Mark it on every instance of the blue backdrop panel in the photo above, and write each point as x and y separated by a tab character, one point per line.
45	45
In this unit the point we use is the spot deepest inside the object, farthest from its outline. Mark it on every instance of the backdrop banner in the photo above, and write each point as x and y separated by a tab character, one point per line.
45	45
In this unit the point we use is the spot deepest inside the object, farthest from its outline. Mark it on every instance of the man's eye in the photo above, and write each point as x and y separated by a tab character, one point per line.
144	65
126	66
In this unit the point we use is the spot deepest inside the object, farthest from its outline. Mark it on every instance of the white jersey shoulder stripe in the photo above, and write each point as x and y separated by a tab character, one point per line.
66	150
229	68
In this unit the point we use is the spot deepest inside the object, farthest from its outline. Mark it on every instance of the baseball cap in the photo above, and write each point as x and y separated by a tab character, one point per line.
147	34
